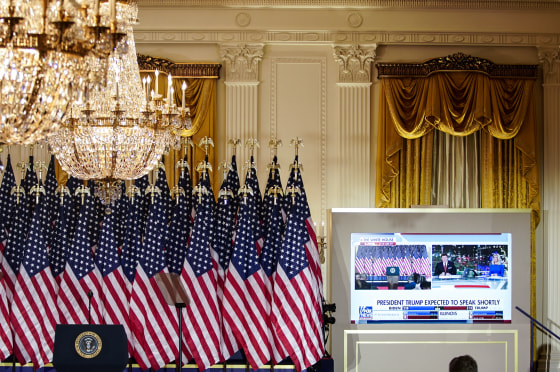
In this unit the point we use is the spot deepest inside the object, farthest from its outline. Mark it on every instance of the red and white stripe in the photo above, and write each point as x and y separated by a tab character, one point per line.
5	328
201	328
153	322
296	317
245	311
115	295
73	297
34	317
313	257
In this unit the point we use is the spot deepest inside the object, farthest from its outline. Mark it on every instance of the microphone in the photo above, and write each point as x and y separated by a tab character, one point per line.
90	295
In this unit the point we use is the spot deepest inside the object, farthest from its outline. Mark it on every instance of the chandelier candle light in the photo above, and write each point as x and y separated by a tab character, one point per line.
50	51
116	133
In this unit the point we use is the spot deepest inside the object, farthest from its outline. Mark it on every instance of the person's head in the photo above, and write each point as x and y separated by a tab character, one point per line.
463	363
496	259
444	257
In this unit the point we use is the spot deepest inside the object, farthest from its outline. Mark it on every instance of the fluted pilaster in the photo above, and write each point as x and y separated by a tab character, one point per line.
551	197
241	64
354	88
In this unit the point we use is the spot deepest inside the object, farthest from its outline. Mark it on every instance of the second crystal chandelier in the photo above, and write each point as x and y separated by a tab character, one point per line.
116	134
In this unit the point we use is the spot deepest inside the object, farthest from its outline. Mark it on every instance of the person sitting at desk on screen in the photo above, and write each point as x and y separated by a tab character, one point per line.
497	265
445	267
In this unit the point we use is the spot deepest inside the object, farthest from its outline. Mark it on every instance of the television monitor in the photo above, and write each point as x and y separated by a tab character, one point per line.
430	277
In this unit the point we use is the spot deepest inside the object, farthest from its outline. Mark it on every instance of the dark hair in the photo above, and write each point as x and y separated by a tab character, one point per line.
444	254
463	363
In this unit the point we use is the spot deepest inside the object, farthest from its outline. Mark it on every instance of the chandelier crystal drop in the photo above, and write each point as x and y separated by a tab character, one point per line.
115	133
49	51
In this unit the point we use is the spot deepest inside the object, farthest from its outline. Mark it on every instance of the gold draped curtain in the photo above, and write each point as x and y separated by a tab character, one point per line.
200	97
459	103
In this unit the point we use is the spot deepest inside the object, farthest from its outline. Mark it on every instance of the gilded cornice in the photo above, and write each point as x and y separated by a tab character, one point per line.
335	37
456	62
189	70
358	4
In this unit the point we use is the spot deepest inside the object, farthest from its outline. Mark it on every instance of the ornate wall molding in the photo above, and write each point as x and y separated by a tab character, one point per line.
353	37
392	4
242	61
456	62
549	59
354	62
190	70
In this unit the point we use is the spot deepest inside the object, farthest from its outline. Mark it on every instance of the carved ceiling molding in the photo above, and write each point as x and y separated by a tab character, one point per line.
188	70
357	4
334	37
456	62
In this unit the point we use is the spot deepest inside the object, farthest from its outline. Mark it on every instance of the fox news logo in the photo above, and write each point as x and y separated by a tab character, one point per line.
366	312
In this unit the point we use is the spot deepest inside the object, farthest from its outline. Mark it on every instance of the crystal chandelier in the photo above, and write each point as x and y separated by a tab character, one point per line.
117	133
47	48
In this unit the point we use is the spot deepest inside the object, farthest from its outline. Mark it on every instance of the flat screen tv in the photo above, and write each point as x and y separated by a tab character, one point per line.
430	277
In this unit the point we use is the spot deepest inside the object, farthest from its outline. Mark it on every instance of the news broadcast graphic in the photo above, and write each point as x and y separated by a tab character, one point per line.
424	277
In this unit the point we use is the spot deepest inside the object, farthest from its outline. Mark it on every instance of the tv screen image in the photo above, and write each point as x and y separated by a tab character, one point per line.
423	277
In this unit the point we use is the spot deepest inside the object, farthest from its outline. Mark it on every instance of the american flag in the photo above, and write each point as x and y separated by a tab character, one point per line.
6	205
180	227
142	183
161	183
233	180
296	309
377	262
13	254
60	244
245	305
252	182
120	210
114	294
295	180
49	207
202	328
28	182
153	322
269	261
359	261
222	243
6	202
425	262
5	327
73	183
34	313
368	259
407	264
80	274
176	251
269	200
94	218
132	243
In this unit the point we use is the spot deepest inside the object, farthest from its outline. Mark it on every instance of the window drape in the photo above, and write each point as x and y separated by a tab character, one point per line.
500	110
458	103
200	97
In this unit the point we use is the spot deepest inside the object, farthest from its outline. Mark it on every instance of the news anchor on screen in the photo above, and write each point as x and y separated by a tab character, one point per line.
497	265
445	267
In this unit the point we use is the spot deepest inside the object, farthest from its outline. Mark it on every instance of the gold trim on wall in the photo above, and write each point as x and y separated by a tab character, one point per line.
456	62
179	70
